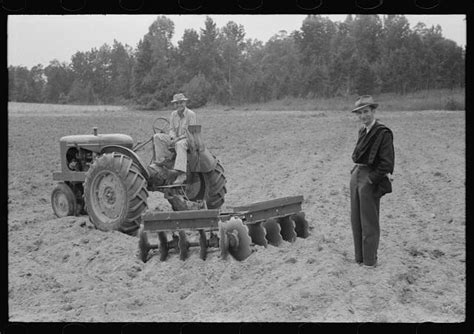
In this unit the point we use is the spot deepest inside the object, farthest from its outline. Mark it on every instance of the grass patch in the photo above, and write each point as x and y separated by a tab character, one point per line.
43	108
440	99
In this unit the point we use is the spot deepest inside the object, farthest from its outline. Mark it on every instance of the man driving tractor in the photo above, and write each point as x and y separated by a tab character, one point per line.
177	137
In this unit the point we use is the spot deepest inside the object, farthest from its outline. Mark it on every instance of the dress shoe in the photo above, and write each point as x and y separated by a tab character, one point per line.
369	266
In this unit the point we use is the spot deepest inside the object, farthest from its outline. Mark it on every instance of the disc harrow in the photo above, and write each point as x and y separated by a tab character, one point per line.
236	233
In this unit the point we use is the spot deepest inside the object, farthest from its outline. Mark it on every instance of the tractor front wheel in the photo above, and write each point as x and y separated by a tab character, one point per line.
63	200
115	193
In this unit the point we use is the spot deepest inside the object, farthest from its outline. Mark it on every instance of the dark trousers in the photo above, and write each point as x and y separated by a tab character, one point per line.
365	209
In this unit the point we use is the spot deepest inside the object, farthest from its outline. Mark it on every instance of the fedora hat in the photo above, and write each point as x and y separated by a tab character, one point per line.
179	97
364	101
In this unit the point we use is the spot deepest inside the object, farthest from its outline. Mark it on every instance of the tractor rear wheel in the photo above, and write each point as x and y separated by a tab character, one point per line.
215	186
115	193
207	186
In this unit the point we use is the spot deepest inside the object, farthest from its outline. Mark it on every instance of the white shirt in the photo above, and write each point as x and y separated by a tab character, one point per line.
367	128
178	125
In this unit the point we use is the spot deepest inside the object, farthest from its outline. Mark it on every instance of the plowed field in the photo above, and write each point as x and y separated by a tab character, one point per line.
66	270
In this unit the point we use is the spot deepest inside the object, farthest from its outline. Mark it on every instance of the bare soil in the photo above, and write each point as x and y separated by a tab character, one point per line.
66	270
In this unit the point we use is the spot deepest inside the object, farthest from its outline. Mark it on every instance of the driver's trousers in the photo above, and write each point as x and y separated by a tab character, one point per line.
162	143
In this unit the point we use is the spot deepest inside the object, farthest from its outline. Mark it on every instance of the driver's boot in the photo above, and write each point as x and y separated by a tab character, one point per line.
167	162
181	178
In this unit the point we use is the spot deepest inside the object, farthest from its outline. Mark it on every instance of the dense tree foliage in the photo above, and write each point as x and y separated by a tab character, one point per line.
364	54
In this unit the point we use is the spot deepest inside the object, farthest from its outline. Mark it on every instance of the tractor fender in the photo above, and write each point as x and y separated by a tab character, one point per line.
201	162
129	153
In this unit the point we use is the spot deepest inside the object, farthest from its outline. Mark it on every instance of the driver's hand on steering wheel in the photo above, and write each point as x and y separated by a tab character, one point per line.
177	139
174	140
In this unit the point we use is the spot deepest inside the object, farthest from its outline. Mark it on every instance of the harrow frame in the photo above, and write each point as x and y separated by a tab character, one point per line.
281	215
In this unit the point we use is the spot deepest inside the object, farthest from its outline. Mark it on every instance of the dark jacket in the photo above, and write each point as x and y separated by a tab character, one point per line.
376	150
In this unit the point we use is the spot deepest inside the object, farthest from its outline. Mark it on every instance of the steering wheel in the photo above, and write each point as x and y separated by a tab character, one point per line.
161	125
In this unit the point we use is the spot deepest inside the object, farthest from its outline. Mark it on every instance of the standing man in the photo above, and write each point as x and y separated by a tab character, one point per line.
370	179
177	137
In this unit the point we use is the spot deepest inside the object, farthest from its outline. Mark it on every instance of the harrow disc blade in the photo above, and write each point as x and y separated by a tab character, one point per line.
287	226
301	225
240	250
183	245
257	234
202	244
223	241
143	245
273	232
163	245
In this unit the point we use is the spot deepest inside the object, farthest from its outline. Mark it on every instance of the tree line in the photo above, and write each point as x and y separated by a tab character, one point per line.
364	54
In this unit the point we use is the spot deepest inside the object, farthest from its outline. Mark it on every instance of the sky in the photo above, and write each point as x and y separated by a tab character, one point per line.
38	39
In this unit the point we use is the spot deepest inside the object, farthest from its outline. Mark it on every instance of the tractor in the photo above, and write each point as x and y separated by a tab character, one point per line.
102	176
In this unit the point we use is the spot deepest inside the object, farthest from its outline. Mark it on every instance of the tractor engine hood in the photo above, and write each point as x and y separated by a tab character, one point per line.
96	143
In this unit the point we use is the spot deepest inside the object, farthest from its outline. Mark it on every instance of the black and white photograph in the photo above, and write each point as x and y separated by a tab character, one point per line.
236	168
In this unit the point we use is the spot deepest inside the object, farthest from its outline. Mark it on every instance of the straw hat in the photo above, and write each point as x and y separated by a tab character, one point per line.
179	97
